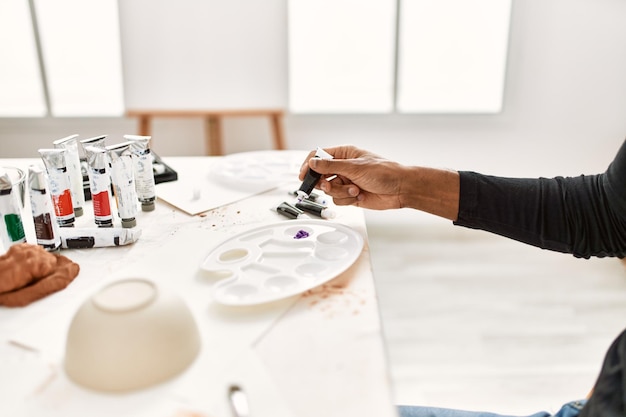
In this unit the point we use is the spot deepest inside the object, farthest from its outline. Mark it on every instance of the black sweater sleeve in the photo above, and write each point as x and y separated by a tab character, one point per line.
584	216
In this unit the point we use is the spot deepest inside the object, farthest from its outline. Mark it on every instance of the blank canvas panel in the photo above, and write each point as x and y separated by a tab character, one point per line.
452	55
82	56
191	54
341	55
21	89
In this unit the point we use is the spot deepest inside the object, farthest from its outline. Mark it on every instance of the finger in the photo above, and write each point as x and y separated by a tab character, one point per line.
346	168
349	201
339	190
305	165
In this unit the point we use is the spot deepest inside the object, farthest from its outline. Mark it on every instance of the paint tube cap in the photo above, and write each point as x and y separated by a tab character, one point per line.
128	223
149	206
5	181
36	178
78	211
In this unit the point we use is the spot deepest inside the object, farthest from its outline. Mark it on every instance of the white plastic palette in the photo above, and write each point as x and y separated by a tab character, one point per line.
258	169
269	263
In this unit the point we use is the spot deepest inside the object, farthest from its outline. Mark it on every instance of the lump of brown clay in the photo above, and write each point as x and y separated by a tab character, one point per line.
29	273
24	263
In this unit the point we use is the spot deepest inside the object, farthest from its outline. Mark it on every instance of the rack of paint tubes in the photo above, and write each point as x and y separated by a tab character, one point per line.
125	172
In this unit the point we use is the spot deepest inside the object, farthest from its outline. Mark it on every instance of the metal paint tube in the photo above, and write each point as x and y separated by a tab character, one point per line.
312	197
96	141
99	185
54	160
144	171
288	210
312	178
316	209
123	178
44	217
11	226
72	159
98	237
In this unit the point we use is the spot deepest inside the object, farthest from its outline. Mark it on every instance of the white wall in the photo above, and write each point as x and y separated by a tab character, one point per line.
564	110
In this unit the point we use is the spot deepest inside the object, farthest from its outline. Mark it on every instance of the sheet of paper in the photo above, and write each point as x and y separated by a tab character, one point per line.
203	186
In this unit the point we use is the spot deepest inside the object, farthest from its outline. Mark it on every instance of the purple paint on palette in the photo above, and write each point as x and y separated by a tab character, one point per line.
301	234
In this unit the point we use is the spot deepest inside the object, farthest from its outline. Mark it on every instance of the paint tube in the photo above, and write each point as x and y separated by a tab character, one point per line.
72	159
312	178
97	237
96	141
123	178
312	197
11	225
99	185
54	160
144	172
288	210
44	217
316	209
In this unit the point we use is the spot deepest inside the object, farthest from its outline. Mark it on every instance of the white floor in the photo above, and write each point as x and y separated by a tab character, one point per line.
476	321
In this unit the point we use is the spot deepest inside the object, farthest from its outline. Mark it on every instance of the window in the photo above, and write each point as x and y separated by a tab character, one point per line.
64	58
412	56
341	55
452	55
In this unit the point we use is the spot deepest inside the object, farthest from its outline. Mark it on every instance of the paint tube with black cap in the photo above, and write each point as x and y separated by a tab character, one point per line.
54	160
316	209
123	178
99	185
312	178
44	217
11	225
144	172
97	237
72	160
288	210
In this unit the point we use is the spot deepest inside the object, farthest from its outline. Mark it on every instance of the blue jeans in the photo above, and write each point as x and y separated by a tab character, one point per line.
571	409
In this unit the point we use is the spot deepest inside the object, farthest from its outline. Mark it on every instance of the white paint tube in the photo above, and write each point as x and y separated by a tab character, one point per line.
100	185
97	237
54	160
11	225
44	217
96	141
144	172
72	159
123	178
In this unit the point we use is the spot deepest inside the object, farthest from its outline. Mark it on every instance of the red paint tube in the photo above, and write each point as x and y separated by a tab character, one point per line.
60	189
100	185
72	160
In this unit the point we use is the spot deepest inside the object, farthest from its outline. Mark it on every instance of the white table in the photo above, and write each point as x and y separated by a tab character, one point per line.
316	354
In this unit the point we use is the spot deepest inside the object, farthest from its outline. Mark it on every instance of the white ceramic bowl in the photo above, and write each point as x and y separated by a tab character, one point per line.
130	335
